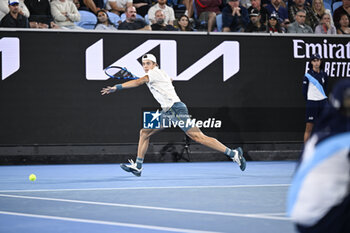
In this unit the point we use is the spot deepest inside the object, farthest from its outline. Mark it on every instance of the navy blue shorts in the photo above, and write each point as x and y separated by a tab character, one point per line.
314	110
177	115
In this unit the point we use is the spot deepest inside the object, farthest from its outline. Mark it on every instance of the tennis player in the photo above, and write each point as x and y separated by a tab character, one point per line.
160	85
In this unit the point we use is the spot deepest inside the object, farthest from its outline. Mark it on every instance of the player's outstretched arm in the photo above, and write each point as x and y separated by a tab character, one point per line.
135	83
129	84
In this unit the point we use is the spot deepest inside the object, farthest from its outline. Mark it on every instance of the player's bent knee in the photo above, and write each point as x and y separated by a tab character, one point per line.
147	133
144	133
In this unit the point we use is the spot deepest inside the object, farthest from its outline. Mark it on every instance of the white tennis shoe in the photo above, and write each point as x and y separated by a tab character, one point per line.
239	159
131	168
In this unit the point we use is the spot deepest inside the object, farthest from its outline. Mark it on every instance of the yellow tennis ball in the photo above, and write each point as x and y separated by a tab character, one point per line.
32	177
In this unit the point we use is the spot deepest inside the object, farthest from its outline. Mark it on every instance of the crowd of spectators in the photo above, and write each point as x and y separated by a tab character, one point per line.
271	16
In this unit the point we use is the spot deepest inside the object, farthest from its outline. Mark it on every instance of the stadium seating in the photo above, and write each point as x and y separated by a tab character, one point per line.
335	4
219	22
114	18
87	20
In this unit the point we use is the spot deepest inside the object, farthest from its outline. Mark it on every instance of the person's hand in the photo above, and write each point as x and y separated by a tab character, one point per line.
95	10
65	14
328	25
236	11
138	5
33	24
53	25
108	90
43	25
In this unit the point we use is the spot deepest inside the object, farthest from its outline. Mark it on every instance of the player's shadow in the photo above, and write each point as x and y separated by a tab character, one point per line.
91	180
169	151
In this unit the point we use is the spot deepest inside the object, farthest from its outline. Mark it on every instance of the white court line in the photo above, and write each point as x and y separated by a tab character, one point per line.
273	214
159	228
136	188
149	207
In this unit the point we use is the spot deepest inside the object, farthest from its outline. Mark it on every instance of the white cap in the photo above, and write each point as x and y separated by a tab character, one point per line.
12	2
150	57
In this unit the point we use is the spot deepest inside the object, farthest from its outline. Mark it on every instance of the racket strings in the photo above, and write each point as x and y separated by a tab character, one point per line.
119	73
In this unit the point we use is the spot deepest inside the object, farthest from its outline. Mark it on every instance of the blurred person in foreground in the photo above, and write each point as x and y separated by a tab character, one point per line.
319	196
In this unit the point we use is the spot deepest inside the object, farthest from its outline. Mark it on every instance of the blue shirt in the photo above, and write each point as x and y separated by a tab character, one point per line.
282	12
235	23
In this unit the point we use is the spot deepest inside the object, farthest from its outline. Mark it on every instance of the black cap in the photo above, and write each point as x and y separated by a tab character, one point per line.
254	12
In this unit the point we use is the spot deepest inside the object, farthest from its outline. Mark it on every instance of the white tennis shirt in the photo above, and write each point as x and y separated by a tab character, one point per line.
162	89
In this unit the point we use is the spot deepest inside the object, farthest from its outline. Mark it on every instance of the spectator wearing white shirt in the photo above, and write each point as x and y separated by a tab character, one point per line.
65	13
167	10
118	6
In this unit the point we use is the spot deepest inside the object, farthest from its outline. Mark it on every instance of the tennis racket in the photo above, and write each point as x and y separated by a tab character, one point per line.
119	73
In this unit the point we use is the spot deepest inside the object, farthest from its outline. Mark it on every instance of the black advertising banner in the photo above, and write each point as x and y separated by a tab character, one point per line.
239	87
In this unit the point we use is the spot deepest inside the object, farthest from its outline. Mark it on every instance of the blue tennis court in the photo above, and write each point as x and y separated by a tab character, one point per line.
168	197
